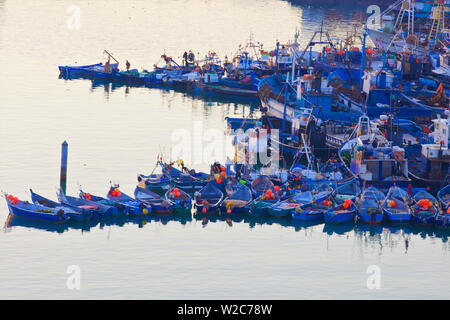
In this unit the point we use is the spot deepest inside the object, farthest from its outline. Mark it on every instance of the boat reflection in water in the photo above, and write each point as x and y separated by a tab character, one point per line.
382	235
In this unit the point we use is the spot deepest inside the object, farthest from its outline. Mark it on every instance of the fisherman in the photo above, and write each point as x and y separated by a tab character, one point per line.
191	56
127	64
108	65
185	57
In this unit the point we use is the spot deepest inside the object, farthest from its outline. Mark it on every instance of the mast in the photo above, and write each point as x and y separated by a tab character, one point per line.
294	54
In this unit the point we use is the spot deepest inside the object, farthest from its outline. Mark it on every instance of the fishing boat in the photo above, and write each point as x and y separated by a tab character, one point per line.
396	205
103	72
430	160
369	205
192	181
443	217
132	206
369	156
349	189
179	199
208	199
261	184
33	211
424	209
77	71
159	182
159	205
74	213
98	210
313	206
237	200
261	204
210	84
120	208
341	213
301	200
132	77
443	197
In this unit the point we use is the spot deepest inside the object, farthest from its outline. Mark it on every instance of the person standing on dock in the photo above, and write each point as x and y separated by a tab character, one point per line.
127	64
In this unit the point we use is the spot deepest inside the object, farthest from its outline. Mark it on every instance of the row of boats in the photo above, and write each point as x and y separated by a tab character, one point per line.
224	192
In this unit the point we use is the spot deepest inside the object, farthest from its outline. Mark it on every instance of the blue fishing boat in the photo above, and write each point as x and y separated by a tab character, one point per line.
120	208
192	181
217	88
261	184
96	209
237	200
369	156
369	206
424	209
77	71
396	205
33	211
443	217
208	199
133	206
160	182
132	77
159	205
74	213
443	197
294	203
349	189
341	213
179	199
104	72
312	210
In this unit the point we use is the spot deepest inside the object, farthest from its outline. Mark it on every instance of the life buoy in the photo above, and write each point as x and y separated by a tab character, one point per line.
399	156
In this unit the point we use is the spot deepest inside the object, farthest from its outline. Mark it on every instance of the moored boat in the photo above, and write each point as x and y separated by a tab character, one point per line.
133	206
159	205
342	213
73	213
424	209
369	205
33	211
120	208
208	199
179	199
98	210
396	205
238	200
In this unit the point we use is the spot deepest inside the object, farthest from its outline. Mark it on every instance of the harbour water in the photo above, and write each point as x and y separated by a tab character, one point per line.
116	132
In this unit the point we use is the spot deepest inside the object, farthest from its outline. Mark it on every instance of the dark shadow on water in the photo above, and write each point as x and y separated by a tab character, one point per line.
109	86
380	233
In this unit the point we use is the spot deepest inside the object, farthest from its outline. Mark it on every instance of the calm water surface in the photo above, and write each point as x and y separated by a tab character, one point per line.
116	132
